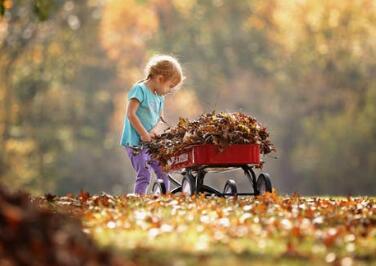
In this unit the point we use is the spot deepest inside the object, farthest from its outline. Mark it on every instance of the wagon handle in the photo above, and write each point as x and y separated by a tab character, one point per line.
270	156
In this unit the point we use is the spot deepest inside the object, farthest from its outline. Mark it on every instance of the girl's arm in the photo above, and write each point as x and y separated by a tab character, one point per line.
136	123
155	131
162	115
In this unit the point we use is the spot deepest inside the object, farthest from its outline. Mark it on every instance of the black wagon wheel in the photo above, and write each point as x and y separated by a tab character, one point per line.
188	185
159	187
263	184
230	188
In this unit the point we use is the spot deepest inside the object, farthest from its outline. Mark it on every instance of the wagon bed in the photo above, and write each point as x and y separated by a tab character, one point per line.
195	161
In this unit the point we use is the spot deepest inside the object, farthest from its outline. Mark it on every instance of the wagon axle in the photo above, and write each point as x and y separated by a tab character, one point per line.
193	183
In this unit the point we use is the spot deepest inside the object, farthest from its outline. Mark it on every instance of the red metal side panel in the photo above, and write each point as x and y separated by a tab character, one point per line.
182	160
209	154
233	154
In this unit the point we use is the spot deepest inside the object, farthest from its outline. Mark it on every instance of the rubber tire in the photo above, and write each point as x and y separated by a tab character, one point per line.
230	184
263	184
191	182
159	185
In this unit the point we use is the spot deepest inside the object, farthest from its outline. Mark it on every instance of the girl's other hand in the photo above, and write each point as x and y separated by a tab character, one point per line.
146	138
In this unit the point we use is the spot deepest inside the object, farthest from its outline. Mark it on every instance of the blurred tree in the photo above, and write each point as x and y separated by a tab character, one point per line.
18	31
331	53
57	101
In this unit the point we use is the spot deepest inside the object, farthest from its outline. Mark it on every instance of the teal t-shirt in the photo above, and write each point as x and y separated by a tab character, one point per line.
148	112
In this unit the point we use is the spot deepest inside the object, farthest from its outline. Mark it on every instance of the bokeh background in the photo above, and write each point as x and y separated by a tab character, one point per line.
306	69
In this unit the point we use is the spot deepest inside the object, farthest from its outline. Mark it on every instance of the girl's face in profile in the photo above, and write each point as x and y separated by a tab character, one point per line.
164	87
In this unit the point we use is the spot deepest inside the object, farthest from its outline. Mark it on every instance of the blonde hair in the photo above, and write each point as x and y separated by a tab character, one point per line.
165	65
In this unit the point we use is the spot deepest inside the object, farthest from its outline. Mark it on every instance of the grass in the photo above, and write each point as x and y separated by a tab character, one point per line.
179	230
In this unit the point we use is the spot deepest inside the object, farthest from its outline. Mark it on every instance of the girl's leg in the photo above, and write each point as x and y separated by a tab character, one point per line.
139	161
160	173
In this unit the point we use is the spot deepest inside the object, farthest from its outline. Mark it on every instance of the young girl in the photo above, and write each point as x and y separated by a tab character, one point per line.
145	110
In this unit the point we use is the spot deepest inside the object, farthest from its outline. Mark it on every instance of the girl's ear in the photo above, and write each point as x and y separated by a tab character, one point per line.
160	79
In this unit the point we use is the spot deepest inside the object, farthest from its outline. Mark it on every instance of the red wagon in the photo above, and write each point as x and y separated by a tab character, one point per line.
196	161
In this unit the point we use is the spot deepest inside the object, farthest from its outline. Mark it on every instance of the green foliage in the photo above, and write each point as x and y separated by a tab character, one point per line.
339	151
42	8
2	8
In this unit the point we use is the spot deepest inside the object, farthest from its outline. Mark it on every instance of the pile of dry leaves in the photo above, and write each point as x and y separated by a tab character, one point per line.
221	129
35	236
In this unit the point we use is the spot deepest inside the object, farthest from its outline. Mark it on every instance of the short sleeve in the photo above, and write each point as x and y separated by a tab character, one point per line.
136	93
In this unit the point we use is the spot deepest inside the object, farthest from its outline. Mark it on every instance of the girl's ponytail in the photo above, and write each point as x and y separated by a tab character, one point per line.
142	80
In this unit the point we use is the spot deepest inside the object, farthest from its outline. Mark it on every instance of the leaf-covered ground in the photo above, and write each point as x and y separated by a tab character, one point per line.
179	230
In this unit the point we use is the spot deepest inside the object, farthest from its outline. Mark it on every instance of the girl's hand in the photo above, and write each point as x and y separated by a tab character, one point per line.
153	133
146	137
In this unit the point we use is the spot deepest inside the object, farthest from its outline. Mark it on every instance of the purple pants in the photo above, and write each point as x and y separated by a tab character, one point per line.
142	162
